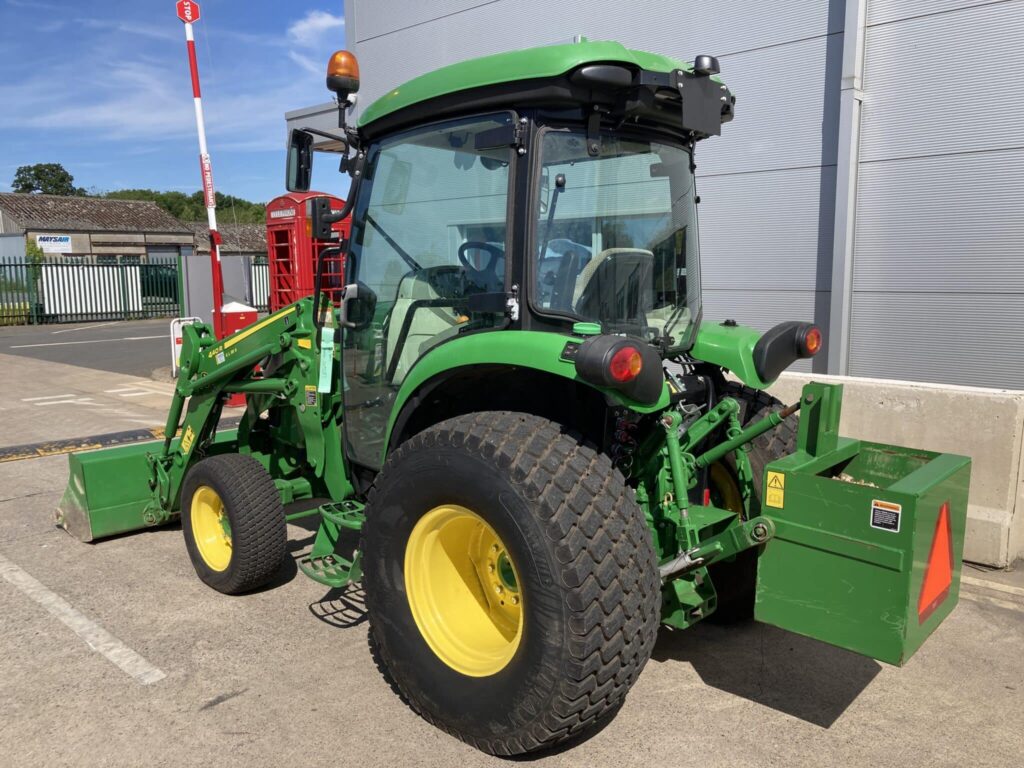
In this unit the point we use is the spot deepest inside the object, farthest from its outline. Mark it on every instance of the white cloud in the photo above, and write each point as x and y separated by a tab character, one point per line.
136	102
306	63
132	30
311	29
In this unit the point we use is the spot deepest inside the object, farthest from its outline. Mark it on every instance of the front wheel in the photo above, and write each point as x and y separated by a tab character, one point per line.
511	581
233	522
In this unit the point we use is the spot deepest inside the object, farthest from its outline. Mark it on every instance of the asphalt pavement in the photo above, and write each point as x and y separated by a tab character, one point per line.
136	347
115	654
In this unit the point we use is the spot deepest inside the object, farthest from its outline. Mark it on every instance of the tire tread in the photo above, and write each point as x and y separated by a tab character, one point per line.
258	529
605	557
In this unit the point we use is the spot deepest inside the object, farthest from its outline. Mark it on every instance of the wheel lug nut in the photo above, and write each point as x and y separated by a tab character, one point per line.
515	600
490	568
498	588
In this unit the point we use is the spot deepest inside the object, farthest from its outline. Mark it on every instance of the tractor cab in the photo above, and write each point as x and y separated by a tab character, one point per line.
540	190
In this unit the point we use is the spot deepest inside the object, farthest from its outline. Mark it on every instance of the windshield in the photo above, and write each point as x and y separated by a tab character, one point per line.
616	237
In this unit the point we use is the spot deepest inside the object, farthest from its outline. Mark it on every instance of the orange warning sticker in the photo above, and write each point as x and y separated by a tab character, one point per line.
938	574
776	494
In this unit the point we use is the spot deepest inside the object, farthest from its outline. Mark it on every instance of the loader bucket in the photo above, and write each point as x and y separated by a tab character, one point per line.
868	541
109	490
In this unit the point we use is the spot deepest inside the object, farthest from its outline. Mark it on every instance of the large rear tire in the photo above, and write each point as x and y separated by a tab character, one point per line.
511	581
735	582
233	522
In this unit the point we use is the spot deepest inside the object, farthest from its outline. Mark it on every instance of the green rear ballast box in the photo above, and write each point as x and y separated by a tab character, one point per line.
868	540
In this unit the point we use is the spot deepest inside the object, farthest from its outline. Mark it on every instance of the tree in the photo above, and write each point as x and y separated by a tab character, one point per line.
185	207
33	253
47	178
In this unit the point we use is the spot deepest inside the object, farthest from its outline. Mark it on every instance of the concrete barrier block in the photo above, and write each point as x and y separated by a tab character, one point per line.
985	424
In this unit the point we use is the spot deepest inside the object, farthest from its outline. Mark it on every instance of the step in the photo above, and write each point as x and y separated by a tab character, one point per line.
332	570
345	514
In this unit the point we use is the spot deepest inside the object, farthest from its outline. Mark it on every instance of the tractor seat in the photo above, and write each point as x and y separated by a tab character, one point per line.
616	285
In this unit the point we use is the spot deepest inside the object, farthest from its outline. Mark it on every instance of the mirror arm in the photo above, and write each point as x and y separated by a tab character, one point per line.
318	324
329	219
357	178
326	135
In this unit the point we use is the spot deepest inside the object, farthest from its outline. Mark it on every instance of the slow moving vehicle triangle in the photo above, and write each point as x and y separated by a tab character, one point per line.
938	575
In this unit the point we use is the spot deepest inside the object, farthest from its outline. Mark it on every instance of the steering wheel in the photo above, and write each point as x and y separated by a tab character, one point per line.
495	251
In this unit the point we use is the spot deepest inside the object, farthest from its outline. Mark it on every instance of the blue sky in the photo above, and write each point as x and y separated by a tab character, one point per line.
110	98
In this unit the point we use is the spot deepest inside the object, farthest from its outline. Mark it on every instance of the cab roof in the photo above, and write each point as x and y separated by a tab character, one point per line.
528	64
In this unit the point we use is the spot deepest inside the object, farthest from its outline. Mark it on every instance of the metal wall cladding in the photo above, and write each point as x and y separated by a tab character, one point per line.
948	224
955	338
787	108
938	278
884	11
472	29
769	231
944	83
374	18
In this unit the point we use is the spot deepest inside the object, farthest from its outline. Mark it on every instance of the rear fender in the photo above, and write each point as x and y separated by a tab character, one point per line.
531	350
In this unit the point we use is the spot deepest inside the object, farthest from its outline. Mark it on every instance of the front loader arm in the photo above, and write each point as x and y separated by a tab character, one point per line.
212	369
292	425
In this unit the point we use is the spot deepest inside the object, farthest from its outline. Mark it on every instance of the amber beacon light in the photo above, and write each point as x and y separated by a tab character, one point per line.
343	74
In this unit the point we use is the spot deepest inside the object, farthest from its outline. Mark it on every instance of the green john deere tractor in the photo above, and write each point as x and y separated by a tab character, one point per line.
522	419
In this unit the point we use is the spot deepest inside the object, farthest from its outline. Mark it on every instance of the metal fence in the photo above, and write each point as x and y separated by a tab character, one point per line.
66	290
260	287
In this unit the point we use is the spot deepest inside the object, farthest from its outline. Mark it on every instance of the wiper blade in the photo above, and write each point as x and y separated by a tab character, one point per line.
413	264
672	320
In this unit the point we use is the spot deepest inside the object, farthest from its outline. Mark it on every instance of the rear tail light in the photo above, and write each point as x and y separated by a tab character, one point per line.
783	345
625	364
812	341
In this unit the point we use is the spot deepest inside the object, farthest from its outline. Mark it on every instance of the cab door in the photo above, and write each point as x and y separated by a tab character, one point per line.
429	231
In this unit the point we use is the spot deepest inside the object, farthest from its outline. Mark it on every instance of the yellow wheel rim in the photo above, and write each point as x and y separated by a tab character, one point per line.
211	528
725	492
464	591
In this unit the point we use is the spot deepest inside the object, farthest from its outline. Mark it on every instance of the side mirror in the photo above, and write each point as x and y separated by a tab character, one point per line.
299	170
358	305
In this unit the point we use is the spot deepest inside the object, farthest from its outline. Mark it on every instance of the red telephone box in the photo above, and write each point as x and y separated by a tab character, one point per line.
292	251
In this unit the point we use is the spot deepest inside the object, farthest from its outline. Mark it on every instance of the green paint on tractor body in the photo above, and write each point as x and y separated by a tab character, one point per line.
833	562
530	64
730	347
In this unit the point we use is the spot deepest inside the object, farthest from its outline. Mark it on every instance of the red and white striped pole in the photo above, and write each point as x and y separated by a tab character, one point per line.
188	12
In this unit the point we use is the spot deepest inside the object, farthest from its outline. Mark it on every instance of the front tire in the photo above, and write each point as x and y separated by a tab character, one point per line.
493	505
233	522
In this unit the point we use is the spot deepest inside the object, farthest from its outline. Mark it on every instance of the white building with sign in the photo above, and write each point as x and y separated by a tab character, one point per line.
94	229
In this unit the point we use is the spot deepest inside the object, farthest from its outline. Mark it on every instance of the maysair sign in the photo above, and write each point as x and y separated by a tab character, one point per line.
54	243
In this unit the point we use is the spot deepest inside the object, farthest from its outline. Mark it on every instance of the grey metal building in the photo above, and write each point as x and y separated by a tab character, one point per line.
873	179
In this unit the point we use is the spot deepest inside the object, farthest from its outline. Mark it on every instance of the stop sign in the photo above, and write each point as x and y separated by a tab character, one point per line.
188	10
